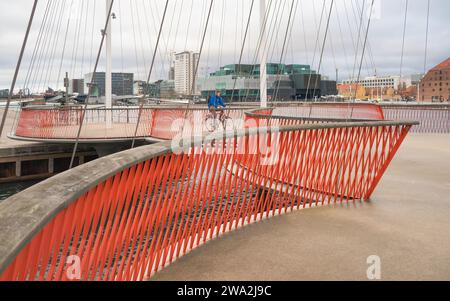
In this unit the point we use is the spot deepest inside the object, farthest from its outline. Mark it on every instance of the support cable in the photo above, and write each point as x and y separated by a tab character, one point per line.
403	40
260	47
36	47
201	49
426	38
283	49
315	51
364	48
198	61
16	72
242	50
150	73
92	81
323	47
64	45
357	44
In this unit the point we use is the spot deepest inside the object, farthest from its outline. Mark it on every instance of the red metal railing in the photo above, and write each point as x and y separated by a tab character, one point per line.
161	123
63	123
141	209
343	111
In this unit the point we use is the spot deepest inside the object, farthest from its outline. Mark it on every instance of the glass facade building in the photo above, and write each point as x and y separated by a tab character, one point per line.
284	82
122	83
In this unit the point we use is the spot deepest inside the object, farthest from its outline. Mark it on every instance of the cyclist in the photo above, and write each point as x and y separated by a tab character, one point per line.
214	102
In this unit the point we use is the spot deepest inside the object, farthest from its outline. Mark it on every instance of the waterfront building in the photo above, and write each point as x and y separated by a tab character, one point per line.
376	82
435	86
167	89
284	82
122	83
183	73
4	93
139	87
328	87
351	91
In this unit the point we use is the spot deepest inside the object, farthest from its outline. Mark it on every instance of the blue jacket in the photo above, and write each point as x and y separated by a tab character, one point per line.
215	101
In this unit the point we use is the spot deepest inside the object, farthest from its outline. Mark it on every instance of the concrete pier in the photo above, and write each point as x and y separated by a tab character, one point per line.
406	224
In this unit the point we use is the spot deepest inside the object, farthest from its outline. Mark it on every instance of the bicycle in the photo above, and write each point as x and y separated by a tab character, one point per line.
213	122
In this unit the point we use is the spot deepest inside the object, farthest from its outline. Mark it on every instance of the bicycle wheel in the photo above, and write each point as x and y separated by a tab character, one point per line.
227	123
211	123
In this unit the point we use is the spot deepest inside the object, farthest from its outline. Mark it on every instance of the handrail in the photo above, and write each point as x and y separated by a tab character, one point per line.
254	114
61	124
434	119
28	214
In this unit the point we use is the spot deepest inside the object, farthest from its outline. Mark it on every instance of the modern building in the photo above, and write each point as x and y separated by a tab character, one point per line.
284	82
377	82
140	87
122	83
4	93
167	89
76	86
306	86
435	86
184	69
172	73
328	87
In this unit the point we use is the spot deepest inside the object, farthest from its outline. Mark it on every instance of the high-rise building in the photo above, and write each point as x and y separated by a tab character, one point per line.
184	69
435	86
122	83
76	86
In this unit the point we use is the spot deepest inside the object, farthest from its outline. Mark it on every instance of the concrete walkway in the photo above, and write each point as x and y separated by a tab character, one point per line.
407	224
6	142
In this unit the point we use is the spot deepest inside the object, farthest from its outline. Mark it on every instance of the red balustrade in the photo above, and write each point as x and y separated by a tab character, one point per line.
134	221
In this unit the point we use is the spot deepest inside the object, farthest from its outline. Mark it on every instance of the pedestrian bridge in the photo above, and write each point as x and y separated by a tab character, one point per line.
63	124
128	215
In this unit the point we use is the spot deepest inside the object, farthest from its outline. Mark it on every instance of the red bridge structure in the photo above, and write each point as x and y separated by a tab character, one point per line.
128	215
62	124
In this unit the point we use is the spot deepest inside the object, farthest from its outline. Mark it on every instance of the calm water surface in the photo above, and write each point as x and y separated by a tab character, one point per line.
7	190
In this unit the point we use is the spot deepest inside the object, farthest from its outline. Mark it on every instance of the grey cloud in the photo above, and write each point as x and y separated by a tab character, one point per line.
137	43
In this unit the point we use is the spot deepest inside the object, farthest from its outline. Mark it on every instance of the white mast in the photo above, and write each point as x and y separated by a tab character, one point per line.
263	55
108	77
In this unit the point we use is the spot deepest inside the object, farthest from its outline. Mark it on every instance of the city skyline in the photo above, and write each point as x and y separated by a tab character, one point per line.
222	46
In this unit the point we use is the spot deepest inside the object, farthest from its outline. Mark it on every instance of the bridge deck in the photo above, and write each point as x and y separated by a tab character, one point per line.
407	224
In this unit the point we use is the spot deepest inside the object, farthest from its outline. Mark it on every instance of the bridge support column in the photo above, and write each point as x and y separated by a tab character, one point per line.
18	168
51	165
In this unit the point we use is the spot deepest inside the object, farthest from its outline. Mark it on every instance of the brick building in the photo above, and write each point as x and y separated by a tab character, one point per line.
435	86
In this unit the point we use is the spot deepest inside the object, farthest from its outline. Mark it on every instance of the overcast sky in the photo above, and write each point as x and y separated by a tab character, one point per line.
137	22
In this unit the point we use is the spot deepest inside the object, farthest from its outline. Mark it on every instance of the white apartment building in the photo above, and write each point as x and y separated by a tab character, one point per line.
377	82
184	68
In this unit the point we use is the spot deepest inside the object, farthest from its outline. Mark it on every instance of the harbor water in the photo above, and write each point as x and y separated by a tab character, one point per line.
9	189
